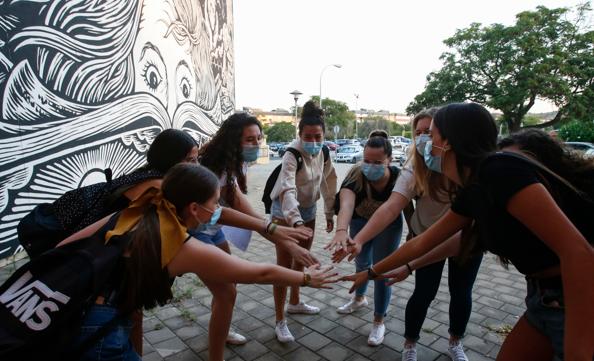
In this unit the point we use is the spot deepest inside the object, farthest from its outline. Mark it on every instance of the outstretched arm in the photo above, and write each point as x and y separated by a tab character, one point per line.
211	263
549	223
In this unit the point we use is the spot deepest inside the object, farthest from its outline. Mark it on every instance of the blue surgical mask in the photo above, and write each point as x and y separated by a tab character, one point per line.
421	142
312	148
373	172
216	214
250	153
433	162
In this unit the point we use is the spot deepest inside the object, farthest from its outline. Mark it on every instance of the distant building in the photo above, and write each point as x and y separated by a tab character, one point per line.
272	117
398	118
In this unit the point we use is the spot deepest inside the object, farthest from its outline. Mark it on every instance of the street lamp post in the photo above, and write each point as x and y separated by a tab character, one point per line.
321	74
356	120
296	94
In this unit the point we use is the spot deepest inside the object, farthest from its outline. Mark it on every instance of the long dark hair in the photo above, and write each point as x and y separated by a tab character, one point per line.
223	153
145	283
377	139
572	166
312	114
471	133
170	147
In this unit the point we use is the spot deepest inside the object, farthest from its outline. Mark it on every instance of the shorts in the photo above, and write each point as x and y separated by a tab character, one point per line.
308	214
546	312
215	239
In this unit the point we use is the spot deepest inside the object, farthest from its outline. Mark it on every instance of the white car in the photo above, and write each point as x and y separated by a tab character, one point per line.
590	153
349	154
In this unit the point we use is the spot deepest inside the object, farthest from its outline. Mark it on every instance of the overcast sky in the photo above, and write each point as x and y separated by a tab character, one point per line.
386	47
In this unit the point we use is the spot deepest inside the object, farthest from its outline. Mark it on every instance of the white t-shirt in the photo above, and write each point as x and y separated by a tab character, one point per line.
427	211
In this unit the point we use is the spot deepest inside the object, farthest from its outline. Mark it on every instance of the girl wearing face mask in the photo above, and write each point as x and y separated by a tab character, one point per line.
530	217
365	188
227	154
421	180
156	254
294	199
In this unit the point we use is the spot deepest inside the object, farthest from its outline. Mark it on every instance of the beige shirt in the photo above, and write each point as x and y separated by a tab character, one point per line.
427	211
303	188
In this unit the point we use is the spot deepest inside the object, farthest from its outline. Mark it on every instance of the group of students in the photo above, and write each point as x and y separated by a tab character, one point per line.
530	205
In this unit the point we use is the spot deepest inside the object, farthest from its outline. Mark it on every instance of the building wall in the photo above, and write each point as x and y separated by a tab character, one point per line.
87	85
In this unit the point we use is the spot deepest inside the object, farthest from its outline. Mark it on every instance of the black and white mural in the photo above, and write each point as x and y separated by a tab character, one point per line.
87	84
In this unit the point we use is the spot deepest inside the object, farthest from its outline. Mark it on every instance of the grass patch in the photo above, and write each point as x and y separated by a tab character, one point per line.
187	315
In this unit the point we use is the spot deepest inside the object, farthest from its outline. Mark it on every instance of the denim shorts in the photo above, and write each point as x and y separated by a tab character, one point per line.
214	239
116	344
307	213
546	312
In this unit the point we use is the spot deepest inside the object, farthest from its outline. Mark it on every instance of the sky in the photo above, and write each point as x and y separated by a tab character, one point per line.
386	47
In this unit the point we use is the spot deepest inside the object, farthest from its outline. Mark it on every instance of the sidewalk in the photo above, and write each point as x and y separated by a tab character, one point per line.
179	330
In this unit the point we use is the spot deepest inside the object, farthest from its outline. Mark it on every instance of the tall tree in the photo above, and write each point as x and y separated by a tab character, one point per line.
337	113
280	132
547	54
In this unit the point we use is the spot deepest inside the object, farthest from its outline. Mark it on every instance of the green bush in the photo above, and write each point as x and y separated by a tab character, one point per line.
577	131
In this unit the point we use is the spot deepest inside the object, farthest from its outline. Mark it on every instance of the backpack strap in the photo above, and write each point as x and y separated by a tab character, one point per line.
297	156
548	171
326	152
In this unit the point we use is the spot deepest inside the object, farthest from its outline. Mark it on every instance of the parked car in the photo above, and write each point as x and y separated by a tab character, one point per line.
398	156
349	154
583	146
331	145
399	142
342	142
274	146
590	153
282	148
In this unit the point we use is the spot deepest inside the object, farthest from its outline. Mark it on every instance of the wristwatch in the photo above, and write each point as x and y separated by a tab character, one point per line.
371	273
298	223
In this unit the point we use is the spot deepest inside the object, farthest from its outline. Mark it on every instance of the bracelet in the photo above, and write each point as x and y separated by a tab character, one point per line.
298	223
410	270
371	273
272	228
341	229
306	279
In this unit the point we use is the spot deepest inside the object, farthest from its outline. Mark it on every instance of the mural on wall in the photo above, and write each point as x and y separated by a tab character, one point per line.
87	85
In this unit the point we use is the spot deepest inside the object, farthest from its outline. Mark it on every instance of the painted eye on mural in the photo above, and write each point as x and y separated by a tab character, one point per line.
185	87
152	73
151	76
185	83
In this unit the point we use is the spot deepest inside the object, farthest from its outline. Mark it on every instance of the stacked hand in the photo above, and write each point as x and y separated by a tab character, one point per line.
320	278
352	250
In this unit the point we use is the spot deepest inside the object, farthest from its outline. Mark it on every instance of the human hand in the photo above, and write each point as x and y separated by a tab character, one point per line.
358	279
320	277
290	234
397	275
353	249
301	255
340	241
329	225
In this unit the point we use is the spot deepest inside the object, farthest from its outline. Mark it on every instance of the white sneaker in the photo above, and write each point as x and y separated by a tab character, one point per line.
233	338
376	336
352	306
303	308
456	352
282	332
409	353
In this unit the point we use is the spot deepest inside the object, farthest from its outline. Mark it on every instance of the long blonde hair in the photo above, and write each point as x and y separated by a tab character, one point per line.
426	181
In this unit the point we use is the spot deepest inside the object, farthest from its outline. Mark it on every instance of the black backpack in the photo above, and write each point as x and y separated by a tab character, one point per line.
44	302
272	178
49	223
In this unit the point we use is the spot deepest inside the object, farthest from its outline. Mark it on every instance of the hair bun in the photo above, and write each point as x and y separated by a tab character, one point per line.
311	109
379	133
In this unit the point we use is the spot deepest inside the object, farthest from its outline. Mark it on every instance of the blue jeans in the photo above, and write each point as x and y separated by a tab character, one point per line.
115	345
372	252
460	281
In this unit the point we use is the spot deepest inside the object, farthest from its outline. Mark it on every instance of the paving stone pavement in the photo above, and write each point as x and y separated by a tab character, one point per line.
179	331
